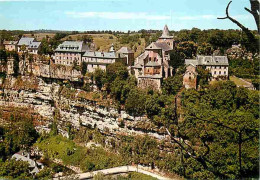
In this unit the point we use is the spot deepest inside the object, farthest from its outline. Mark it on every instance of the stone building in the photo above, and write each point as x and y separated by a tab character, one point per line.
126	51
216	65
10	45
30	44
165	37
69	52
190	77
96	59
153	65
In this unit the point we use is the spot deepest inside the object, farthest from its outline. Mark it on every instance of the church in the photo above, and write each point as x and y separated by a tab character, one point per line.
152	66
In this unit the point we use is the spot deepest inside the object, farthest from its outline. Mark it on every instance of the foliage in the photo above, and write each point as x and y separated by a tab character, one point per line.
87	39
13	169
126	38
116	70
205	49
187	49
256	83
83	68
58	147
18	134
172	84
221	124
135	103
45	47
98	77
203	77
244	68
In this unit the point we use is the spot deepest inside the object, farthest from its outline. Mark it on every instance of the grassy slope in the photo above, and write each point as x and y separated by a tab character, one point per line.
40	36
237	81
103	42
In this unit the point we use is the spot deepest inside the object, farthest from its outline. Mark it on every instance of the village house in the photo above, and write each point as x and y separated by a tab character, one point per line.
152	66
96	59
31	45
35	166
69	52
216	65
10	45
128	53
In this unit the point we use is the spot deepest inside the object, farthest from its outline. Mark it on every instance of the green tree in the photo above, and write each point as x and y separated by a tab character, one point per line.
187	49
135	103
45	47
98	77
205	49
172	85
15	170
83	68
221	126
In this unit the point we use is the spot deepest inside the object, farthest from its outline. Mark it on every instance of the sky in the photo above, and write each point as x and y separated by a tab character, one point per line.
121	15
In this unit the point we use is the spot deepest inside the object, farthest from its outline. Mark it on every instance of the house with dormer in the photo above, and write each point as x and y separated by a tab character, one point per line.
31	45
97	59
69	52
216	65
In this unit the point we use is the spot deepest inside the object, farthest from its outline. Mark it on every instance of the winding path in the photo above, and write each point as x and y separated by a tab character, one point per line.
118	170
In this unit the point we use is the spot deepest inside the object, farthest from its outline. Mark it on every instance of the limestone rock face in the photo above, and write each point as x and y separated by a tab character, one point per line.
45	98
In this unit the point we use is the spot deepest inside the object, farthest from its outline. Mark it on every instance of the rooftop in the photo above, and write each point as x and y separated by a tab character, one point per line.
125	50
208	60
35	45
166	33
72	46
97	54
25	41
159	45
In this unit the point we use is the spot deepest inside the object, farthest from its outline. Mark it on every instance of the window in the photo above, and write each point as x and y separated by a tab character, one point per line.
215	72
225	67
225	72
219	72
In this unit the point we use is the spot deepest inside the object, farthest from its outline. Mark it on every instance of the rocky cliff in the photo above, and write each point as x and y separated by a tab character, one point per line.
73	105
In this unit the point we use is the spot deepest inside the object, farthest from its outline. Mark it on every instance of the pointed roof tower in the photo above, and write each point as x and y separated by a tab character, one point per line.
166	33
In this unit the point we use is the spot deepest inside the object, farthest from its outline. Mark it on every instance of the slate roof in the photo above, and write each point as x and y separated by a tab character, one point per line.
159	45
208	60
72	46
25	41
125	50
193	62
97	54
166	33
10	42
34	45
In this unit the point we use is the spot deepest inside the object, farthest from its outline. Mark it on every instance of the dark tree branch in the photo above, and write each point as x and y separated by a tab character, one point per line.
251	37
255	12
246	30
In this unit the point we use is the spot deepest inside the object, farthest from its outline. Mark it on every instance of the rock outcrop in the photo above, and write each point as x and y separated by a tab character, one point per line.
73	106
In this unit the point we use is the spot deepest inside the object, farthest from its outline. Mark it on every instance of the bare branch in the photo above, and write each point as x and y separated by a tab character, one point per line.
249	34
